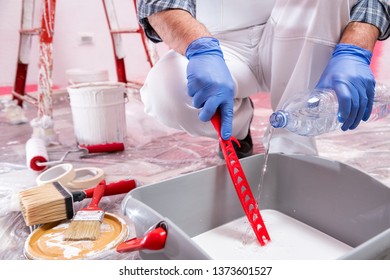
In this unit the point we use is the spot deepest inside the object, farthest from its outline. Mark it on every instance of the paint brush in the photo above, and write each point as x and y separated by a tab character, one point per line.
85	225
53	202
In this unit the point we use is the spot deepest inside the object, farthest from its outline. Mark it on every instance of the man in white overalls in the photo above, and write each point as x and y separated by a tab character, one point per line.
223	51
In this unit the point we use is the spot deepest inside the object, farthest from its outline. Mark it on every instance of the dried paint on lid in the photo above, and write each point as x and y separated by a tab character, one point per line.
47	242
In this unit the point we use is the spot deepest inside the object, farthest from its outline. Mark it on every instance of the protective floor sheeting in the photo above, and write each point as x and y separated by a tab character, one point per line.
154	153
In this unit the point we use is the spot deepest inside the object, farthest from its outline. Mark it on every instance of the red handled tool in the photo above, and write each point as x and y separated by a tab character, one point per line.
85	225
114	188
37	156
104	148
53	202
241	184
153	240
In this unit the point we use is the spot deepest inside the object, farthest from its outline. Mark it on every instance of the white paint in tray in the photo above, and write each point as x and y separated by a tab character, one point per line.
290	239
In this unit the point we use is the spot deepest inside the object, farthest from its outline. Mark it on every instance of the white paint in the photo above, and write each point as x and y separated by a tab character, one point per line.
290	239
56	241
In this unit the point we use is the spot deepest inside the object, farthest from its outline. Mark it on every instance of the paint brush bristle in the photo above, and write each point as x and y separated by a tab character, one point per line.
86	223
84	226
47	203
53	202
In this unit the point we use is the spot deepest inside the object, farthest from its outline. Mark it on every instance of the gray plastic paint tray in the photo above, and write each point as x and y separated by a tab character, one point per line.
340	201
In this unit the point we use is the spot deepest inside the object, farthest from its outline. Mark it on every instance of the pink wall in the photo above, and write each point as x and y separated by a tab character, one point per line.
73	18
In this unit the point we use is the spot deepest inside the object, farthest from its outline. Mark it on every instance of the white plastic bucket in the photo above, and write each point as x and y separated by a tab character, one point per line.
98	111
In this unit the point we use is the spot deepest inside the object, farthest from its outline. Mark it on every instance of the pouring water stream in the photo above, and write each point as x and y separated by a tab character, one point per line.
248	231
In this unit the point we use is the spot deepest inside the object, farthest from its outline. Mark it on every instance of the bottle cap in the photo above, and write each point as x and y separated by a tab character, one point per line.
278	119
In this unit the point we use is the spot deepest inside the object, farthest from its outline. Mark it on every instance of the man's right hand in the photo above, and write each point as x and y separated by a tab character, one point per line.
210	83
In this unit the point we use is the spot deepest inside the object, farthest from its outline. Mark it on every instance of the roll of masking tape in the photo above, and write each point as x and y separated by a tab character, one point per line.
87	177
62	173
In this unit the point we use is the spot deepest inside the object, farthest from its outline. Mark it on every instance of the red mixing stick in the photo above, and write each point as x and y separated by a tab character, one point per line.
241	184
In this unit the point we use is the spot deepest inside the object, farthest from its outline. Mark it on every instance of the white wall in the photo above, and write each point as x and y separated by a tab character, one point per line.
73	18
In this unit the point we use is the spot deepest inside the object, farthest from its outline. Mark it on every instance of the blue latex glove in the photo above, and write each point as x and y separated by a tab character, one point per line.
348	73
210	83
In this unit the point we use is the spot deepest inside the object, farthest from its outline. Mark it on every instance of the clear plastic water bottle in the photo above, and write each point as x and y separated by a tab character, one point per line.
315	113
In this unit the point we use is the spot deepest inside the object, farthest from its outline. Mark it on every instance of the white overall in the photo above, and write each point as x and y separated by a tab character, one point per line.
276	46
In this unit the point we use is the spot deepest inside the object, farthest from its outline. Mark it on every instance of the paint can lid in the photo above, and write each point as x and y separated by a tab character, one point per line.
47	242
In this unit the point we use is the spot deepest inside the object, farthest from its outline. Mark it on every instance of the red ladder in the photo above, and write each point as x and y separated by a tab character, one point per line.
46	32
116	31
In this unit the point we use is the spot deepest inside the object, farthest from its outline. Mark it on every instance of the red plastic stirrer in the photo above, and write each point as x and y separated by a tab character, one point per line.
241	184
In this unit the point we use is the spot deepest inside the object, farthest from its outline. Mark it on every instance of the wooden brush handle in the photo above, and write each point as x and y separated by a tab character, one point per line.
97	196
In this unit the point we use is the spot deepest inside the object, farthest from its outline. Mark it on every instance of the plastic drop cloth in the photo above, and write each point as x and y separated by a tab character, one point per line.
154	153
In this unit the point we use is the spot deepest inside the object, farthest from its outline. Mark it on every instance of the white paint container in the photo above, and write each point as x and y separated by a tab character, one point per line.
98	112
